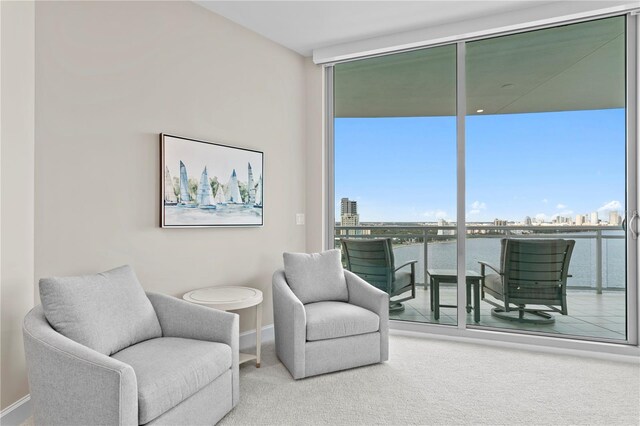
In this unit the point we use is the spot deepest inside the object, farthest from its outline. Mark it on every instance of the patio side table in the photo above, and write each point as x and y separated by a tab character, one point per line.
437	276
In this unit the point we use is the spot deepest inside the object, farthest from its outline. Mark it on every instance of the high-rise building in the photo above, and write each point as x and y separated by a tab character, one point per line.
561	220
349	216
527	221
614	218
348	207
580	219
349	220
593	218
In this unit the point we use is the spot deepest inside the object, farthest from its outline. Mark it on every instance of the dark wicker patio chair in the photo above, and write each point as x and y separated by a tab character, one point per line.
532	272
373	261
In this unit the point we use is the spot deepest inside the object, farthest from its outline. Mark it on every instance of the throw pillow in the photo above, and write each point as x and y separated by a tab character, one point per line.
316	277
106	312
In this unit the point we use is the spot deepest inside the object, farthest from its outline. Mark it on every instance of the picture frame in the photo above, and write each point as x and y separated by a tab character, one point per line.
206	184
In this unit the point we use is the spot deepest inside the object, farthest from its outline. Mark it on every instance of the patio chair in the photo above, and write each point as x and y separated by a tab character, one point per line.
373	261
532	272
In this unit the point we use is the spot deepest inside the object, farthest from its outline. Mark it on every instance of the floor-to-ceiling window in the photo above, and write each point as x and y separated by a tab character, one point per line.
545	188
395	172
545	163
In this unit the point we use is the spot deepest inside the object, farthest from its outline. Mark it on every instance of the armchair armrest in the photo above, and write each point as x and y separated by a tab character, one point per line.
363	294
484	264
72	384
179	318
290	326
412	263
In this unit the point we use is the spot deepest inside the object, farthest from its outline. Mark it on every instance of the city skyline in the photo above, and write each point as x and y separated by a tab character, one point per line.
349	217
541	165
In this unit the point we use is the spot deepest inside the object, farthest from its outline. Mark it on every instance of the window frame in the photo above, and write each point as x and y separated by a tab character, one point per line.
501	336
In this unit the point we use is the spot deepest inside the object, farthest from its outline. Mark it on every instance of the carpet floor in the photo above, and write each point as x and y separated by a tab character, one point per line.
429	381
439	382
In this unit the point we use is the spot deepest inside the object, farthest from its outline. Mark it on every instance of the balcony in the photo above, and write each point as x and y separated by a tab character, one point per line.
596	292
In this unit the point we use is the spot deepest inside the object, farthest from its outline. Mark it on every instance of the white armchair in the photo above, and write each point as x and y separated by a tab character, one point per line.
180	368
328	335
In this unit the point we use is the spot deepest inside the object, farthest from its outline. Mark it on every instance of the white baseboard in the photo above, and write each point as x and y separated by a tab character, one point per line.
248	338
17	413
631	355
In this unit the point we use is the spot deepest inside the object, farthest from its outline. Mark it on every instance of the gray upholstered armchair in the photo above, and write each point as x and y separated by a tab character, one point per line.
112	355
325	318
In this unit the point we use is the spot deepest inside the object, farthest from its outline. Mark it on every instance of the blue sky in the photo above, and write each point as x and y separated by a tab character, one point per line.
538	164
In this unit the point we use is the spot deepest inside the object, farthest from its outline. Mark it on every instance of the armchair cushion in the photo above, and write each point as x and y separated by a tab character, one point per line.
494	282
106	312
170	369
401	280
330	320
316	277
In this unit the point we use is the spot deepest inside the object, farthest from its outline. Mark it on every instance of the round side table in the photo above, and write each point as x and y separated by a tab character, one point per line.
231	298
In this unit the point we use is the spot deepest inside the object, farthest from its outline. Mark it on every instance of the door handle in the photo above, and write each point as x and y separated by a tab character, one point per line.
632	223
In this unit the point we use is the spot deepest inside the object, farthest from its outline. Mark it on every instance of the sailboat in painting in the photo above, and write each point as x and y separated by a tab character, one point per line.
185	198
170	198
204	197
252	188
258	202
219	198
233	190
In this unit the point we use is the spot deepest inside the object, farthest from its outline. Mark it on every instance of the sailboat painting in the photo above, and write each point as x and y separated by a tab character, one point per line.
205	184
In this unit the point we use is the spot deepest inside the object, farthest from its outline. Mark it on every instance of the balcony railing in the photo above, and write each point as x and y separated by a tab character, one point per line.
587	267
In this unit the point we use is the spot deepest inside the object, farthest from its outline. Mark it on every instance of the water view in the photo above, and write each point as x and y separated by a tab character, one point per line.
442	255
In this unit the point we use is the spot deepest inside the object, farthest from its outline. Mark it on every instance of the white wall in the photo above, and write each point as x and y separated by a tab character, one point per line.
315	151
110	76
17	191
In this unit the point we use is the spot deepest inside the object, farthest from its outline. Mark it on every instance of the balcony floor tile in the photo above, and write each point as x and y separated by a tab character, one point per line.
590	314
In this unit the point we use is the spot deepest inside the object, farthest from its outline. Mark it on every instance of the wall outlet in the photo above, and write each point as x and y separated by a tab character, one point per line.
299	218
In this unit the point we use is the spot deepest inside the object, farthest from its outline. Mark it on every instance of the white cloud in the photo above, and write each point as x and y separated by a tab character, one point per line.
478	205
541	217
611	205
474	211
561	206
545	201
440	214
435	214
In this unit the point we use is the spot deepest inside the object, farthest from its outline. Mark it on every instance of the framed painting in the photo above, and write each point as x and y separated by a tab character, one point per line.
207	184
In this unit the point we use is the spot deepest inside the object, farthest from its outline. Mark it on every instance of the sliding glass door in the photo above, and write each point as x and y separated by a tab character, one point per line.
395	177
545	155
545	145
